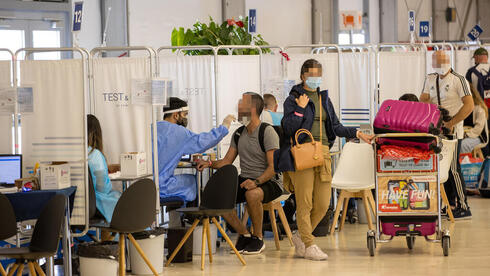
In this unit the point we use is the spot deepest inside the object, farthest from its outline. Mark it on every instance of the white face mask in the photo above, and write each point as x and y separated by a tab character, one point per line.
444	69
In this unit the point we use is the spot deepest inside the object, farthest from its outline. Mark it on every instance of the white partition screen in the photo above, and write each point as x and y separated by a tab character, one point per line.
5	119
126	127
55	130
400	73
235	75
355	87
463	61
273	79
194	77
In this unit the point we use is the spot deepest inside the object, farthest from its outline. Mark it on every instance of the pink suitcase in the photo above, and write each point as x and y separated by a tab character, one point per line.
409	117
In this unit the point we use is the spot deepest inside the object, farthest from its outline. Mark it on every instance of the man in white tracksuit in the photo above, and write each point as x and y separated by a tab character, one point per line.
451	91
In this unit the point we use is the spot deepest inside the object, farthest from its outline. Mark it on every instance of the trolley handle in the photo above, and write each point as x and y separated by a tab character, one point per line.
407	135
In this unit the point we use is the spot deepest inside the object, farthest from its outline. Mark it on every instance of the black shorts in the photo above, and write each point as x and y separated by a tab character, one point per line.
271	191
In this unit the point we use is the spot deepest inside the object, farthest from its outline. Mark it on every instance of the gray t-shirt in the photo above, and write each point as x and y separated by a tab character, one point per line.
253	161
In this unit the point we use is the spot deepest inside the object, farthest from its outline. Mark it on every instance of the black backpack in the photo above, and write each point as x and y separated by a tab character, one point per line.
483	80
262	128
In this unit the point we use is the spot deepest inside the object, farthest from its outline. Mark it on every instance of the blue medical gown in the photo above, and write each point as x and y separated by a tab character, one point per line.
174	141
106	198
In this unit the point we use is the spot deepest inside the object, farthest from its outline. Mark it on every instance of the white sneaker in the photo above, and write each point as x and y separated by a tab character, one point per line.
298	245
315	253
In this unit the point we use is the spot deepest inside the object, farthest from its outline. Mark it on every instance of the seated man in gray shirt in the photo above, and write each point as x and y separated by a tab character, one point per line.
257	180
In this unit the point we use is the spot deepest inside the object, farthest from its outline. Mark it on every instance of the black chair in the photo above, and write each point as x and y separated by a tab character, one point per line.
134	212
44	241
218	198
94	215
9	223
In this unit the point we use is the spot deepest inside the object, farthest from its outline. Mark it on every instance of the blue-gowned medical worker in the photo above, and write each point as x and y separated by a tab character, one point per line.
106	198
175	141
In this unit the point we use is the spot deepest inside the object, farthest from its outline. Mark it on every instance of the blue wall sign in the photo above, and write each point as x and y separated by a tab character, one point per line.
411	21
77	16
424	29
475	32
252	21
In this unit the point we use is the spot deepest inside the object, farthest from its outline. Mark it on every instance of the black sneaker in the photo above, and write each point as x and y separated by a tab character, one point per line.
461	214
444	212
254	247
241	243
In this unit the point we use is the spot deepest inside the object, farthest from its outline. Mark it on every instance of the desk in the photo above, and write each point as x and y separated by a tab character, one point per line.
126	180
28	205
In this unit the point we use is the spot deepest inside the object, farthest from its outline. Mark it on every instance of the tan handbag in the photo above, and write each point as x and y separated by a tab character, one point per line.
308	155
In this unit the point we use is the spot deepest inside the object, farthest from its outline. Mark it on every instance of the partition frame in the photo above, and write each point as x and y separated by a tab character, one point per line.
85	57
153	74
230	49
414	47
179	49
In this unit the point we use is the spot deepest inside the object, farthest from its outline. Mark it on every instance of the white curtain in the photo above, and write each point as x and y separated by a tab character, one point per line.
125	127
5	120
355	88
193	78
273	81
236	75
464	61
55	130
400	73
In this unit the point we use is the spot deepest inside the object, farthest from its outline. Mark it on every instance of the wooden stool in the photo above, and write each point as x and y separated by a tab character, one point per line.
271	207
446	202
477	153
345	195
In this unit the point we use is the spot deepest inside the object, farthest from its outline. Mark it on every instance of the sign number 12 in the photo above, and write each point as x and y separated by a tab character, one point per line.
78	16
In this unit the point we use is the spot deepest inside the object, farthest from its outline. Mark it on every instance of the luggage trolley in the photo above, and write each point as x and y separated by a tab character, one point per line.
408	199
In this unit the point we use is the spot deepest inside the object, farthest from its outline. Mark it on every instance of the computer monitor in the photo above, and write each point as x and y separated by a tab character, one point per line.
186	158
10	168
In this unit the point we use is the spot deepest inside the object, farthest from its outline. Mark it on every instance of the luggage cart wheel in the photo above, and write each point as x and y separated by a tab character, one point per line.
446	242
410	242
371	244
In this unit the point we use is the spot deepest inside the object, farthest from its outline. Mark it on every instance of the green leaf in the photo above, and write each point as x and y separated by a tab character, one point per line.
173	38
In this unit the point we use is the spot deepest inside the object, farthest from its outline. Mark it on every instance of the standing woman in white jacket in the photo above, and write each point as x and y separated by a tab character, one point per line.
475	135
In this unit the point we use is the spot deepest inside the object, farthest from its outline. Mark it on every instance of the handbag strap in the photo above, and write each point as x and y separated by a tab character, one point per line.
302	131
321	122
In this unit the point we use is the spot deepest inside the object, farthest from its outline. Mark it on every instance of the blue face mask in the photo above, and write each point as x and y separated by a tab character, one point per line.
313	82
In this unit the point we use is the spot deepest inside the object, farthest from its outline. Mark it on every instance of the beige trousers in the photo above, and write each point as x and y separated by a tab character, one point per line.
312	196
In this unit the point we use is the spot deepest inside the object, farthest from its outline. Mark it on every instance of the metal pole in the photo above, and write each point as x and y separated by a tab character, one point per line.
13	80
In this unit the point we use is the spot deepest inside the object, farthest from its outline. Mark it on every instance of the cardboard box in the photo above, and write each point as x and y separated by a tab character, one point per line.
55	176
133	164
386	165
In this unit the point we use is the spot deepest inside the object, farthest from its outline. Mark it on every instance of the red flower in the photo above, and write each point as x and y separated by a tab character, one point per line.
240	24
231	22
285	55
